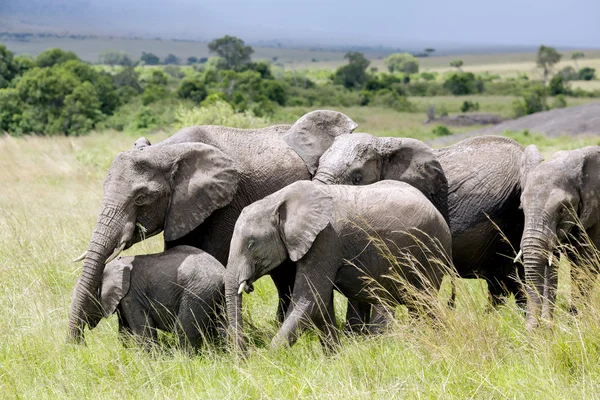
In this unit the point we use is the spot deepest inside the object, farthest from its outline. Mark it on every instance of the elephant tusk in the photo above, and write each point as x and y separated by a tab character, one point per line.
519	254
550	260
115	254
243	286
81	257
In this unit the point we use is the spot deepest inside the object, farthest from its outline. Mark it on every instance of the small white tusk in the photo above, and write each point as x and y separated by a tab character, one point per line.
550	260
519	254
81	257
116	253
243	286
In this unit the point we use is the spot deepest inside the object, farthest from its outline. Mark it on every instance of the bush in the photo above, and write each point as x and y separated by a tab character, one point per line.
557	86
146	118
52	57
533	101
587	74
391	99
469	106
428	76
441	130
153	93
560	101
150	59
192	88
174	71
463	83
218	113
569	74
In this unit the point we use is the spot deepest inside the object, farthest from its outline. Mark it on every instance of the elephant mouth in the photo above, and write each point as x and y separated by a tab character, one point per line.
246	286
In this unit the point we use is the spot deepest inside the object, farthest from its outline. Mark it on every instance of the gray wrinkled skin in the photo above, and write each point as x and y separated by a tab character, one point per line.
478	180
180	291
557	195
327	231
193	187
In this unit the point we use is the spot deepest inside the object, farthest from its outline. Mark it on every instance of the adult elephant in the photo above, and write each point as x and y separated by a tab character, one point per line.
560	202
475	183
193	186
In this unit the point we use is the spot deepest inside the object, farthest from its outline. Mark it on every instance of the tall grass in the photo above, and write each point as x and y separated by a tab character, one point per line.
50	194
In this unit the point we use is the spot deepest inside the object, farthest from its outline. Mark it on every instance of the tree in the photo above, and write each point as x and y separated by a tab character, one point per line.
232	50
150	59
354	74
462	83
113	58
8	69
52	57
192	88
429	51
546	58
557	85
576	56
402	62
171	59
192	60
457	64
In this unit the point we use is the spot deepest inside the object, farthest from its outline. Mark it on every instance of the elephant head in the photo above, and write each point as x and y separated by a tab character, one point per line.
314	132
280	226
362	159
150	189
556	196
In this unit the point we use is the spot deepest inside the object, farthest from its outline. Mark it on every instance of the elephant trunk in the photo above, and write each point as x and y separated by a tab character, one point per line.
536	245
85	308
233	297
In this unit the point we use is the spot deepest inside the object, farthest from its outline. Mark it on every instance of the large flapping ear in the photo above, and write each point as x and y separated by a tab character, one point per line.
203	179
590	186
115	284
314	132
530	159
412	161
305	210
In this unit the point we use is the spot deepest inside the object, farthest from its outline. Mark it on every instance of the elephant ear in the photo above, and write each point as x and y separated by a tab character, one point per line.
314	132
203	179
141	142
304	212
590	186
413	162
115	284
530	159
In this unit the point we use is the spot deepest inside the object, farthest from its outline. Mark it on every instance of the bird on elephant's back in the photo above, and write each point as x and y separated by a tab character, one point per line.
475	184
193	186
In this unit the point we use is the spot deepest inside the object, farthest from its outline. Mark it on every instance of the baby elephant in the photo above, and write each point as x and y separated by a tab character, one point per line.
384	241
179	290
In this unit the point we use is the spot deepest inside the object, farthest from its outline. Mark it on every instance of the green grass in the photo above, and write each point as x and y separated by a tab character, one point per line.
51	195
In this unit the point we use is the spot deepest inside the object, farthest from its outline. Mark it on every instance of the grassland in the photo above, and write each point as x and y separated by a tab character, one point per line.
51	190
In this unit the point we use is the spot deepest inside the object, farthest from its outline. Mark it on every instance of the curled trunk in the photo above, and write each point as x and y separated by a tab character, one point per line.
85	308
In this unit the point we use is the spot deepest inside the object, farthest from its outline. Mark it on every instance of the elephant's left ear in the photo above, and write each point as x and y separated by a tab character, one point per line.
305	211
314	132
115	284
530	159
590	186
203	179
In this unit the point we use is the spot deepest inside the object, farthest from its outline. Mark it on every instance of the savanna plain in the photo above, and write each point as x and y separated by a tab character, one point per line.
50	195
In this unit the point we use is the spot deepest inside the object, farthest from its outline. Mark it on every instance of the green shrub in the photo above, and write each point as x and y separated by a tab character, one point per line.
558	86
463	83
560	101
441	130
535	100
468	105
153	93
146	118
587	74
192	88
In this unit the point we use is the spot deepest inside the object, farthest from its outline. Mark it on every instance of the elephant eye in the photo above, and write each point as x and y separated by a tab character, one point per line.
141	199
250	244
356	179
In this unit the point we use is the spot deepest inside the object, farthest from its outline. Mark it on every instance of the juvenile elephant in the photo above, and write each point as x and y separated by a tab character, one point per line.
193	186
475	183
180	291
329	231
560	198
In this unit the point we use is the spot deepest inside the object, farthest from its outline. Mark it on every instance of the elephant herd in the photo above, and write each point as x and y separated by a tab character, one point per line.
318	207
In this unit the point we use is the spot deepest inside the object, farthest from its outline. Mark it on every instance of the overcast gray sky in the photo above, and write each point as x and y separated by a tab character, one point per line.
390	23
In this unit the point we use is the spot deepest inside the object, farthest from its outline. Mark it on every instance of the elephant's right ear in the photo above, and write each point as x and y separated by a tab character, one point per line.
314	132
115	284
203	179
304	212
530	159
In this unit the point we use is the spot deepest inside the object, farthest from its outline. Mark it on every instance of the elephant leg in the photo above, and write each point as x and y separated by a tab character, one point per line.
312	301
124	330
283	277
140	323
358	315
194	320
496	291
381	319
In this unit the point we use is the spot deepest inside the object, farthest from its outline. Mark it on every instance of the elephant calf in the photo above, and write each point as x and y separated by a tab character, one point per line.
372	243
179	290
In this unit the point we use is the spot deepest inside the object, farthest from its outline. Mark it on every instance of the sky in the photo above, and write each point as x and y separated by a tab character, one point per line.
366	22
